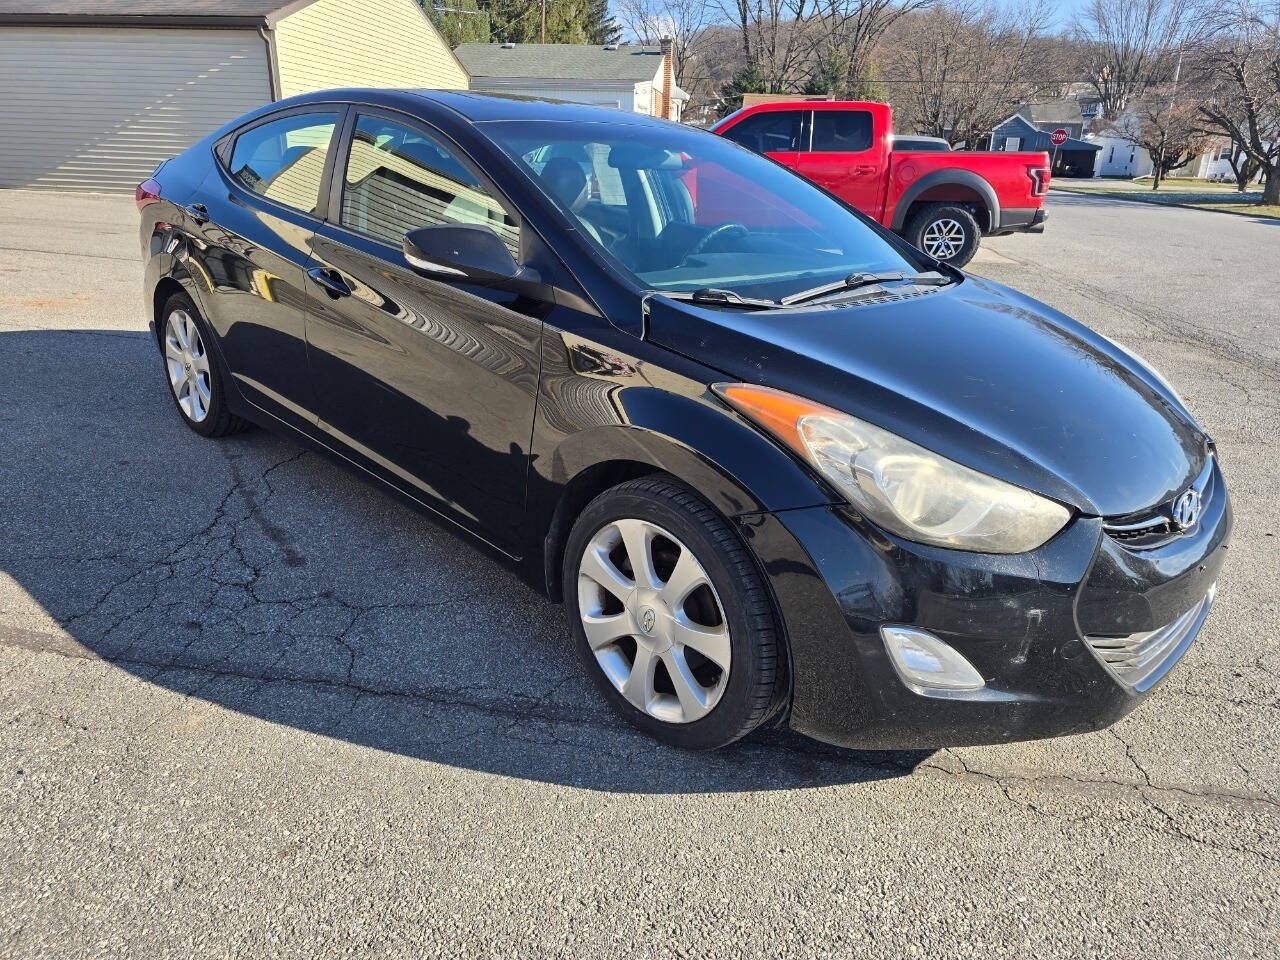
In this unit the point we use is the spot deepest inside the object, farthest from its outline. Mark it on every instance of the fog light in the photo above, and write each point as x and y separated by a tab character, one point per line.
924	661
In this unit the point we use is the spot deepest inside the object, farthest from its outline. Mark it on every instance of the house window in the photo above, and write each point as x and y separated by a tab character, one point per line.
1112	155
1013	144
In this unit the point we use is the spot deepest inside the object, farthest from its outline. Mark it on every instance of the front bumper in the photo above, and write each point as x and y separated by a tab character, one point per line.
1025	621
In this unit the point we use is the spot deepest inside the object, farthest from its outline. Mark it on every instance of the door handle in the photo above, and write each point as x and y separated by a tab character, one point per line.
198	212
333	284
865	169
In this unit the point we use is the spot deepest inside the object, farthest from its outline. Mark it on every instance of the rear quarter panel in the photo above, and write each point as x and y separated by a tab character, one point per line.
1005	173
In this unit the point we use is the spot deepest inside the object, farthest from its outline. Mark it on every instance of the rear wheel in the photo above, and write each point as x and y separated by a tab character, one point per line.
945	232
671	616
195	378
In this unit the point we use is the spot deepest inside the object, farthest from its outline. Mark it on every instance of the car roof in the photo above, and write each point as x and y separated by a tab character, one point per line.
479	107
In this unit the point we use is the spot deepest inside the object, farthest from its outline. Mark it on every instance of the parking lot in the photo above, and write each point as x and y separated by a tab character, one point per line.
252	706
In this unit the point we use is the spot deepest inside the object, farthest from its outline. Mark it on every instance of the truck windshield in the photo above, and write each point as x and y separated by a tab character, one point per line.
681	210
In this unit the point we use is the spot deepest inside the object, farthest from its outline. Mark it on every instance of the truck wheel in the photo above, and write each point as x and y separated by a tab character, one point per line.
945	232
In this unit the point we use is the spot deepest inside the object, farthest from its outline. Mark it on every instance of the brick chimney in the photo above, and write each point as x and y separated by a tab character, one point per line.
668	74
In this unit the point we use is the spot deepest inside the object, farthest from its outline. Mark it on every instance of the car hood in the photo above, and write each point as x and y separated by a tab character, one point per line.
975	372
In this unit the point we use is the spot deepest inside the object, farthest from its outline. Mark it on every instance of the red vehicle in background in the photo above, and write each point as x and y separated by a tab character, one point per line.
939	201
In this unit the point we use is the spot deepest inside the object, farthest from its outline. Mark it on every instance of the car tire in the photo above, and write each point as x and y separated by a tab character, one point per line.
945	232
195	377
657	646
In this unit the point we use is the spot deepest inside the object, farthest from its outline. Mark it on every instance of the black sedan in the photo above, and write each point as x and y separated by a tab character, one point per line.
779	466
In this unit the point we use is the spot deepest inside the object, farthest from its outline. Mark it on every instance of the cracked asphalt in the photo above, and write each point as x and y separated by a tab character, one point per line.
252	706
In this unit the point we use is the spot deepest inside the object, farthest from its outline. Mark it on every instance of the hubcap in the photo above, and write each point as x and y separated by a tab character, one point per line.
653	620
188	365
943	238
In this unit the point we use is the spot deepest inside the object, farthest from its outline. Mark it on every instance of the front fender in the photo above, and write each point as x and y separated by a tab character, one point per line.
604	416
699	441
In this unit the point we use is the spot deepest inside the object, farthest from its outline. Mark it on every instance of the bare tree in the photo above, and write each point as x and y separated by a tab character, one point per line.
685	21
959	69
1239	68
1243	167
1129	46
1167	128
792	43
772	33
847	32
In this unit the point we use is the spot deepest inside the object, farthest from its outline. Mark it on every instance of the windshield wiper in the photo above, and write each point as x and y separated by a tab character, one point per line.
855	280
720	298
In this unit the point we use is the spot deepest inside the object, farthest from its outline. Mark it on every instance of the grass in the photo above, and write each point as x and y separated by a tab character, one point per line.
1177	192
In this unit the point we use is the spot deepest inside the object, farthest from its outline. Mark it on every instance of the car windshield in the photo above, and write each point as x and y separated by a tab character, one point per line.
681	210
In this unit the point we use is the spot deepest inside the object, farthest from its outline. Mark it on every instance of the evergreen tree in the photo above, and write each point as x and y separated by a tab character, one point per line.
459	21
601	27
747	80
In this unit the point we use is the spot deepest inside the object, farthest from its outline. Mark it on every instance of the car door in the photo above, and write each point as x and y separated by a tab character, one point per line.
839	152
430	383
252	229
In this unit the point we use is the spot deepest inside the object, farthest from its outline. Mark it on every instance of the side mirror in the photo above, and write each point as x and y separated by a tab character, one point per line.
460	251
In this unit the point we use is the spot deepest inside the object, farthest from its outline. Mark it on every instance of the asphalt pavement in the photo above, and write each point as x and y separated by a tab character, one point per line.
252	706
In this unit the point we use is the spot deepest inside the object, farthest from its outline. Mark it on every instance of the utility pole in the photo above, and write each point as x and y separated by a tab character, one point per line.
1164	134
544	21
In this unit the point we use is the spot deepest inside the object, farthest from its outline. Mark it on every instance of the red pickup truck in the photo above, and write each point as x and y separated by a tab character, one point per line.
941	202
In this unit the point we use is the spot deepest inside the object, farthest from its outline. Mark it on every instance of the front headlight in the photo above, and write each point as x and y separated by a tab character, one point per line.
903	487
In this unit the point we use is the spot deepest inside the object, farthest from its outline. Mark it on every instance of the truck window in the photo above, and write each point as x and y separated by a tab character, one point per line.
772	131
841	131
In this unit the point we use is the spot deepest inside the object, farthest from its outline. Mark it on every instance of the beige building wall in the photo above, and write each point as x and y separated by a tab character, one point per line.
363	43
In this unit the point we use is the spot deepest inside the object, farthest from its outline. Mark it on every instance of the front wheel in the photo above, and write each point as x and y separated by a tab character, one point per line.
945	232
671	616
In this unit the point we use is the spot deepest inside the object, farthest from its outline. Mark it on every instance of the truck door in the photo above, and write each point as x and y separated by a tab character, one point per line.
841	152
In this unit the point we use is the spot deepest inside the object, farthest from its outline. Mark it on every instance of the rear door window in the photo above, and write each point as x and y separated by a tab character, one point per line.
283	160
772	131
841	131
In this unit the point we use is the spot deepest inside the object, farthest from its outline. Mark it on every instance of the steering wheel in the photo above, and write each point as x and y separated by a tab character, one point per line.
715	233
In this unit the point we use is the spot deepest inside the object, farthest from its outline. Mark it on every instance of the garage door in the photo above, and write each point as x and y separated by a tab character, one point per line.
98	108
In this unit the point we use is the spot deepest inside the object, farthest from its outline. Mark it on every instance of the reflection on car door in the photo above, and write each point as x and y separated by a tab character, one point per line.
253	235
431	384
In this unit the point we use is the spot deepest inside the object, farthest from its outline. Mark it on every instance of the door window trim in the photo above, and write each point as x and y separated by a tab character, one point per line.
225	147
811	123
338	175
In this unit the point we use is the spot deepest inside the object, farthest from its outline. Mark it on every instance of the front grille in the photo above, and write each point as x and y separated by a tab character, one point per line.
1144	531
1150	532
1140	659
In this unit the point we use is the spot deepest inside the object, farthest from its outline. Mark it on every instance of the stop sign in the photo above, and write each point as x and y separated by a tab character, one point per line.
1058	137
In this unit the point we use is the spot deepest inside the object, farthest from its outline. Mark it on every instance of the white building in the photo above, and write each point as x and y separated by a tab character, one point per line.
1119	157
1215	164
622	76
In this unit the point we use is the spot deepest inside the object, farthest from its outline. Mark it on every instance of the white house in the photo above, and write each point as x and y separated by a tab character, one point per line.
97	92
1215	164
623	76
1119	157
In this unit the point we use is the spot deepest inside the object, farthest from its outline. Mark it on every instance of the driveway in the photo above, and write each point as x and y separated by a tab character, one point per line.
252	706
